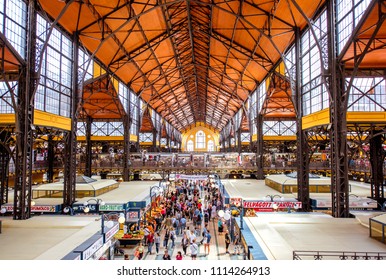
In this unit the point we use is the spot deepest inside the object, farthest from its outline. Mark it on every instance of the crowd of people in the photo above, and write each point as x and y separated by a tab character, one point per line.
185	211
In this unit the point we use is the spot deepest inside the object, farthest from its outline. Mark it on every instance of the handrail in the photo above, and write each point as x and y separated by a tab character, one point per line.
338	255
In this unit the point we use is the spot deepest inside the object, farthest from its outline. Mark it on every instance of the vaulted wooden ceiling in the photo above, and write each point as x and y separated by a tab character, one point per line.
192	61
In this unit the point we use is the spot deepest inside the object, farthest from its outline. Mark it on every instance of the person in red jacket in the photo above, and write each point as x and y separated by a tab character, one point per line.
179	256
150	242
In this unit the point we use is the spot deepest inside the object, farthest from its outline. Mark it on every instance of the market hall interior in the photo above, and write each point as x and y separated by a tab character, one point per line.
278	234
290	94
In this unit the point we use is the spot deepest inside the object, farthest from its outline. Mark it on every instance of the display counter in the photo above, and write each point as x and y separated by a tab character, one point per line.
129	238
129	241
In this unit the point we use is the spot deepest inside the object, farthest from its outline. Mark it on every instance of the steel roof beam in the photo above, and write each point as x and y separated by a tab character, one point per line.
176	48
159	65
228	54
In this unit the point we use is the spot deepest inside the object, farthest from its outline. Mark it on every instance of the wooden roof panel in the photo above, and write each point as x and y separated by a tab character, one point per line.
131	38
100	99
369	46
12	62
130	74
230	6
164	51
236	63
246	36
153	23
255	16
70	19
141	6
288	12
223	23
267	50
256	70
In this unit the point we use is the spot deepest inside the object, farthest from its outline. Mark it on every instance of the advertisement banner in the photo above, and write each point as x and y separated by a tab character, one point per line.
191	177
132	215
80	208
35	208
271	204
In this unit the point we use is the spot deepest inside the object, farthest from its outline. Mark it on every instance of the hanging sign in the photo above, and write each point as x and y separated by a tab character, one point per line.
271	204
111	207
236	201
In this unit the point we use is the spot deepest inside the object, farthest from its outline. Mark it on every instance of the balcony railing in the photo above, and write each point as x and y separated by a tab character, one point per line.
336	255
227	162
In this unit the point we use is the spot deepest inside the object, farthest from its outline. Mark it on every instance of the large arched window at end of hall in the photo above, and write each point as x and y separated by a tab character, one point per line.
210	146
200	140
190	146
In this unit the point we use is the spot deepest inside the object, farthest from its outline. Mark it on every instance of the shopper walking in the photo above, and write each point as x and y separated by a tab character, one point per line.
227	242
150	242
185	242
139	251
157	241
220	226
206	241
236	243
173	237
166	238
166	256
183	223
193	249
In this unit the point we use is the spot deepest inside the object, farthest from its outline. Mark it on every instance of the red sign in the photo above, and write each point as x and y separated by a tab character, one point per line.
236	201
271	204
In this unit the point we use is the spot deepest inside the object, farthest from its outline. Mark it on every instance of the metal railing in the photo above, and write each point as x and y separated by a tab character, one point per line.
338	255
107	162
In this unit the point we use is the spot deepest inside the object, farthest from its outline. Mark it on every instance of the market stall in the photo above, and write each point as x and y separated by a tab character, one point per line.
130	234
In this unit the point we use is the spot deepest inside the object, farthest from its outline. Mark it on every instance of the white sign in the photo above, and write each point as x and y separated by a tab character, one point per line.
358	203
92	249
101	251
191	177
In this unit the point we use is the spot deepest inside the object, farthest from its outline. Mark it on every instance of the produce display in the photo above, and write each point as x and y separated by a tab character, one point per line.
235	212
138	234
135	234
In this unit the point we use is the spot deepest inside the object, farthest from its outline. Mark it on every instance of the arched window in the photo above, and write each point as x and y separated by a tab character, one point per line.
190	146
210	146
200	140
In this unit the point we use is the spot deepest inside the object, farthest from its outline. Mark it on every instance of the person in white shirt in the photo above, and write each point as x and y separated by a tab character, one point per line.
192	236
193	249
214	213
236	243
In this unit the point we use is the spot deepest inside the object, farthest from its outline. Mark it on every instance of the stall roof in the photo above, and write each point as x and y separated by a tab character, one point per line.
82	186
